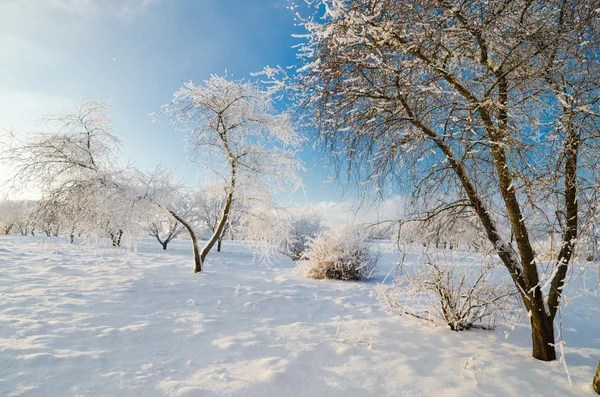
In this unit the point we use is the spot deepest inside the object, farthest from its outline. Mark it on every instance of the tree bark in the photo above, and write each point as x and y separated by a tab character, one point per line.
597	379
197	261
542	332
116	238
219	230
218	233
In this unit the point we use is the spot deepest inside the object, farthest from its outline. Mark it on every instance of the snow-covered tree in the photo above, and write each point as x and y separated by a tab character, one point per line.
165	230
25	222
12	214
209	201
234	131
491	105
72	160
450	229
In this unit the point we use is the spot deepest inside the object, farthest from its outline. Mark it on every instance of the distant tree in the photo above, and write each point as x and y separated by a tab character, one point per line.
305	224
25	222
234	131
166	230
490	104
10	213
165	227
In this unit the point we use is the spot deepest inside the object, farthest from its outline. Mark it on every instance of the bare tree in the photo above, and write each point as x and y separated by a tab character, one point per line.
234	131
166	230
490	105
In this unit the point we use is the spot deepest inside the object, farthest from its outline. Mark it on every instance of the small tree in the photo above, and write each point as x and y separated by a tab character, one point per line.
166	230
10	213
233	130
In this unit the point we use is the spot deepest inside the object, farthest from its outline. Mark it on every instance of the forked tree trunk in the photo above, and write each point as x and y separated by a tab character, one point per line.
116	238
163	243
597	379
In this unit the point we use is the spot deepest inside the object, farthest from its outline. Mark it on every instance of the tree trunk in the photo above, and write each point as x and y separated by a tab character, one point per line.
164	244
188	227
542	332
219	242
597	379
116	238
219	230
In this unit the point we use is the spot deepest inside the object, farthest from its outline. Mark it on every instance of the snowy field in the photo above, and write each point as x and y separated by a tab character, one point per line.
112	322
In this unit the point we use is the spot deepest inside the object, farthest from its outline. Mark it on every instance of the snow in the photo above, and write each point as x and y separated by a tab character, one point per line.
82	321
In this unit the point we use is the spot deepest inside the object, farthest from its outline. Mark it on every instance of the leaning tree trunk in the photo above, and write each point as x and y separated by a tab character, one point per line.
216	236
188	227
218	233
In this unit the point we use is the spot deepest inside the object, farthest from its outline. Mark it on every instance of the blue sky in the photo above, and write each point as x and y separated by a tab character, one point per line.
136	53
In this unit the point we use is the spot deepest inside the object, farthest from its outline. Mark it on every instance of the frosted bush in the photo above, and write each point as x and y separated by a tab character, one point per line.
340	255
459	296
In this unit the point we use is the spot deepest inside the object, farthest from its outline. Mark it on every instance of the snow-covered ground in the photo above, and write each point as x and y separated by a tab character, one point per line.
76	321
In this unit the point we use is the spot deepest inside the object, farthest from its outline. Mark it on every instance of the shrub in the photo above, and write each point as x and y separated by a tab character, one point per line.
340	255
461	297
